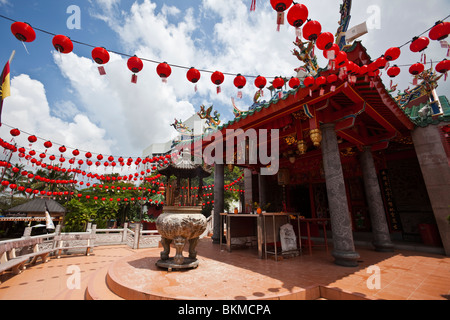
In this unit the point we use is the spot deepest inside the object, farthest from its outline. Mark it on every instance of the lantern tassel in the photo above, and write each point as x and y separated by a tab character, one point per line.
219	90
280	20
25	47
298	33
253	5
239	94
134	78
101	70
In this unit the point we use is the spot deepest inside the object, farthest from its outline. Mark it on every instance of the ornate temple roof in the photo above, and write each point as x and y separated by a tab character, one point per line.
184	168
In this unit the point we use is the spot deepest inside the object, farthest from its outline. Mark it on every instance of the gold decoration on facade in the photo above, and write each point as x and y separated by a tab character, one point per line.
300	115
316	137
348	152
290	140
302	146
403	140
230	167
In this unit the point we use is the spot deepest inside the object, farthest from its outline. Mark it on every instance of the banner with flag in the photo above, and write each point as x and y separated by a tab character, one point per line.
5	88
48	220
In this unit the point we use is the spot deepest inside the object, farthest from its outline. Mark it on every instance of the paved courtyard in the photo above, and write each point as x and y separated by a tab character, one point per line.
240	275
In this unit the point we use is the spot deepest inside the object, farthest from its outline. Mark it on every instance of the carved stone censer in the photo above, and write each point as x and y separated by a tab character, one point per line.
182	221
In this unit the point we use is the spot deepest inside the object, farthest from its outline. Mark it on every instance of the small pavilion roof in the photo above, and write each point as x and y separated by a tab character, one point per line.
38	206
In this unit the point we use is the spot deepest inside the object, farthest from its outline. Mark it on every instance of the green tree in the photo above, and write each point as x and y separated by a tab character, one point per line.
77	217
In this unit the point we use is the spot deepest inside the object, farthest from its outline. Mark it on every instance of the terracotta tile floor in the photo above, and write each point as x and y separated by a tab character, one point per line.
404	275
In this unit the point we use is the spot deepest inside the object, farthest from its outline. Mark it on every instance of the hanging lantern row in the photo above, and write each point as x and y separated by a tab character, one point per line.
62	149
297	16
14	186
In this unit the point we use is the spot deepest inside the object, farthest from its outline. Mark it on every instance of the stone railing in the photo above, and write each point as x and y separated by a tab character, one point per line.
133	237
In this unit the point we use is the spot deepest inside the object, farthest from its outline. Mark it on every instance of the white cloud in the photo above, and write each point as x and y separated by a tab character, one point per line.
27	108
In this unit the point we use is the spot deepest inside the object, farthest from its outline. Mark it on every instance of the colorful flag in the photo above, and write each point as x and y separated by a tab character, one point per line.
5	87
48	219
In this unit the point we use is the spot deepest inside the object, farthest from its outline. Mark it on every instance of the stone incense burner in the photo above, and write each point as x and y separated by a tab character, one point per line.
179	225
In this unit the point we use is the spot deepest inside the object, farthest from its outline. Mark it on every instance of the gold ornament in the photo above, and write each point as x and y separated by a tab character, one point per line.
302	147
316	137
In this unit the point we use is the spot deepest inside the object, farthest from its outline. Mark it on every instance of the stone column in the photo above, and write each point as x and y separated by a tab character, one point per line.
341	226
436	174
380	229
218	200
262	190
248	187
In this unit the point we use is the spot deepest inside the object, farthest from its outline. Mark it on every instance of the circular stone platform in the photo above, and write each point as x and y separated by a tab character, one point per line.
170	264
221	277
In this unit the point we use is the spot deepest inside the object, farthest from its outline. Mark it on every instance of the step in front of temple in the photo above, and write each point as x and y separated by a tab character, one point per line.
137	278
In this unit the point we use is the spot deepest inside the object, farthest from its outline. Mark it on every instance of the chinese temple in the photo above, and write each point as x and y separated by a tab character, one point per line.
351	152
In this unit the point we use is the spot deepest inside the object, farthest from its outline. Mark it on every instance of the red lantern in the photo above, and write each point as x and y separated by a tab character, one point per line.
416	69
308	82
443	67
239	82
332	78
260	82
381	62
278	83
62	44
164	71
135	65
325	41
193	75
294	83
48	144
88	155
440	31
341	59
75	152
331	53
217	78
280	6
392	54
62	149
32	139
15	132
393	71
311	30
99	157
100	56
110	158
320	81
23	31
297	15
363	70
419	44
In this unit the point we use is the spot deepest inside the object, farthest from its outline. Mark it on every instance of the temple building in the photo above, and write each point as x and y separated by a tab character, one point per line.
353	153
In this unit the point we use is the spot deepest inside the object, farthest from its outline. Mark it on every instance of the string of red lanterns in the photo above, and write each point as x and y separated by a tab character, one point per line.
297	16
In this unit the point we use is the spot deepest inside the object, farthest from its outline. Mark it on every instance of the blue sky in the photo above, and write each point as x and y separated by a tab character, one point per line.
63	98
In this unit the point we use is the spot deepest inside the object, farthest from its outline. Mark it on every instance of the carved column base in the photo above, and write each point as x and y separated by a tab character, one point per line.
345	258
